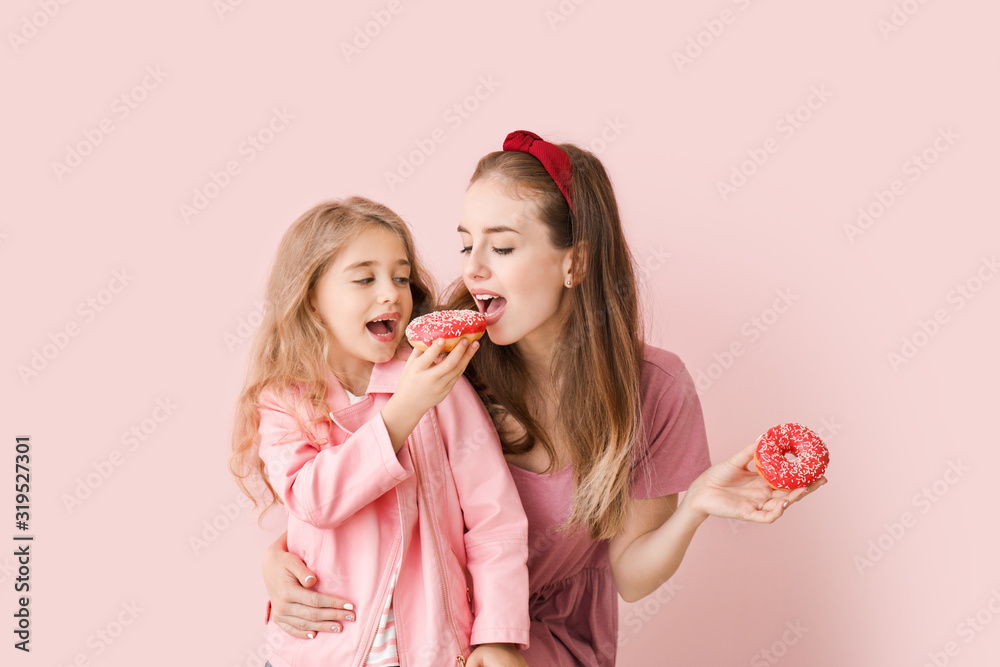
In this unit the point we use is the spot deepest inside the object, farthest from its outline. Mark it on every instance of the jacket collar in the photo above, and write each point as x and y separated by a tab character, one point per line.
384	380
385	377
350	416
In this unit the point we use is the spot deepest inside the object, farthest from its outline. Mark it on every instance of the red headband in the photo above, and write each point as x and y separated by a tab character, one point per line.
553	158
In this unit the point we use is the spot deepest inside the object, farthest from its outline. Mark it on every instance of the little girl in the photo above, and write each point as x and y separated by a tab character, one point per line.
397	492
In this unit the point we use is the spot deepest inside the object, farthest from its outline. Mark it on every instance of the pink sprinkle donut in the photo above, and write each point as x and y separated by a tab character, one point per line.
790	456
452	325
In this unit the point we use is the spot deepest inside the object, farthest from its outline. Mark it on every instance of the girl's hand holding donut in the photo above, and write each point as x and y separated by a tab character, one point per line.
425	382
732	491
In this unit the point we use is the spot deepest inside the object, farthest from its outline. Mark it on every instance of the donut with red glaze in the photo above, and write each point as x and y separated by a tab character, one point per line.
452	325
790	456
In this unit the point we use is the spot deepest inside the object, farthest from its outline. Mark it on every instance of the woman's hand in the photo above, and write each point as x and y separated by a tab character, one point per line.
732	491
496	655
294	608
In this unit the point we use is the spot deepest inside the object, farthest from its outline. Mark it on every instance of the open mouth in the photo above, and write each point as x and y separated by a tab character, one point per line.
383	328
491	306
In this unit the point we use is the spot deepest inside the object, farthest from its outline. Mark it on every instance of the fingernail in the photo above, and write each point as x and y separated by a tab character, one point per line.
335	628
348	605
785	505
310	635
310	577
350	617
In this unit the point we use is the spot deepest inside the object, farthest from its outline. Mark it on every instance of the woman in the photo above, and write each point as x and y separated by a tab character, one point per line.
600	431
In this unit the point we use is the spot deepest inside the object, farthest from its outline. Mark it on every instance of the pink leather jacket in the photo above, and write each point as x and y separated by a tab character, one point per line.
447	502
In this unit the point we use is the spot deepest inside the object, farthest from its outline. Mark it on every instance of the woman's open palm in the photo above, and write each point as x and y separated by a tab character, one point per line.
732	491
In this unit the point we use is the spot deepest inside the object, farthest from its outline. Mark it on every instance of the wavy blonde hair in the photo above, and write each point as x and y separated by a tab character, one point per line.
291	346
598	363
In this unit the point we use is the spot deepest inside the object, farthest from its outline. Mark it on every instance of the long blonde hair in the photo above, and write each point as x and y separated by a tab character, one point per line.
292	345
598	363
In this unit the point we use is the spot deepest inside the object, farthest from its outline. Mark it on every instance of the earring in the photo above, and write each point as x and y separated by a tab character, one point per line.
569	283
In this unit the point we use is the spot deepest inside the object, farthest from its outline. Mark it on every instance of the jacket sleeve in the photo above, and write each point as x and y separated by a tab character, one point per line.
324	486
496	538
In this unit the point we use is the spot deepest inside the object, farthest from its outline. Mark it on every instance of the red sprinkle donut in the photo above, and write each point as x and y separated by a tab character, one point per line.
789	456
452	325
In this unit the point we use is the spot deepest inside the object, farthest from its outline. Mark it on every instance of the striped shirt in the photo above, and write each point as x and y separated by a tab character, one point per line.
383	651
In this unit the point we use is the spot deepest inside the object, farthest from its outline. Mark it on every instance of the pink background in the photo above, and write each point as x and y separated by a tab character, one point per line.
869	571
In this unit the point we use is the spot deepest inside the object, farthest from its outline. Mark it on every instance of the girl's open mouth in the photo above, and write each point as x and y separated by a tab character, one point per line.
491	306
383	329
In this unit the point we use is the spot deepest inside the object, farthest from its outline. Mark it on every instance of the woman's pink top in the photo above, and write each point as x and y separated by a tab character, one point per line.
574	603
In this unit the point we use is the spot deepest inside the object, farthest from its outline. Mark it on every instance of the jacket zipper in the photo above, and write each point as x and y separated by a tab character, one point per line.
364	661
371	643
437	552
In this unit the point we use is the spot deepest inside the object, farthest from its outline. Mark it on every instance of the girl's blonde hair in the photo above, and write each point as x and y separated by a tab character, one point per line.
291	346
598	363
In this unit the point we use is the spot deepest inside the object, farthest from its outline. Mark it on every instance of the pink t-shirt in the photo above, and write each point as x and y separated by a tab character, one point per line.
574	603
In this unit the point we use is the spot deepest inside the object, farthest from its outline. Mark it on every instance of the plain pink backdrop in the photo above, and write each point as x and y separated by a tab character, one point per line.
883	567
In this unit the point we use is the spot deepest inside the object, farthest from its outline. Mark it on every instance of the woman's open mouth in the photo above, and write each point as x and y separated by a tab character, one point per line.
383	327
491	306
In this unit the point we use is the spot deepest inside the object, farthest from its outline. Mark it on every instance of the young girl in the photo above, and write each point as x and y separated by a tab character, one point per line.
600	430
390	470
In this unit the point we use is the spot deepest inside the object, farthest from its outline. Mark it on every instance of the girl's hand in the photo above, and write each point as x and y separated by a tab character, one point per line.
294	608
426	382
496	655
732	491
423	384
